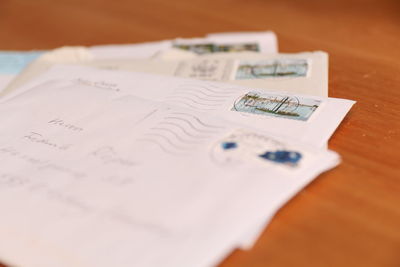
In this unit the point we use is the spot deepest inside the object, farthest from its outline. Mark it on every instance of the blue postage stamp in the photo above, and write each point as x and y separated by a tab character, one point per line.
271	68
289	107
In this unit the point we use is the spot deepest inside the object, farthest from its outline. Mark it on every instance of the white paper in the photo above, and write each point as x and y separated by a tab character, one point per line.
218	67
212	97
225	67
323	127
13	62
91	191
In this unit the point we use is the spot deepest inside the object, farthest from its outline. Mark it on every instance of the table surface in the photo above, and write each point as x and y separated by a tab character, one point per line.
349	216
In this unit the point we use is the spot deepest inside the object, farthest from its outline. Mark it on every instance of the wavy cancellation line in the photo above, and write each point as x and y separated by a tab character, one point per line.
149	140
193	100
180	102
192	90
182	129
207	88
210	98
166	139
198	120
176	135
207	92
190	124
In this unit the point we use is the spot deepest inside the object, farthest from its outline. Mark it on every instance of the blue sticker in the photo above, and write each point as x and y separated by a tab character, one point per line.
229	145
282	156
13	62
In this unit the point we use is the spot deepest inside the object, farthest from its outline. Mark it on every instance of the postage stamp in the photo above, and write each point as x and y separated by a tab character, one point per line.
283	106
244	146
197	48
238	47
207	48
274	68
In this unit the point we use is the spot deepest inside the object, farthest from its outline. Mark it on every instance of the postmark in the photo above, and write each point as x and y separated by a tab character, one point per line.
243	146
205	69
282	106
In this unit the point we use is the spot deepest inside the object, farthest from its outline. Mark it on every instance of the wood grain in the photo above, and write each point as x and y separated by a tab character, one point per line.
349	216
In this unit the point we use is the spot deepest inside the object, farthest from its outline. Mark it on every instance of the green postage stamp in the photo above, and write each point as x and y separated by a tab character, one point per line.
290	107
208	48
271	68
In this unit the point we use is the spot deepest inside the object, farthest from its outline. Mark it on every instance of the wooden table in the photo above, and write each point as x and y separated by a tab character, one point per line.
349	216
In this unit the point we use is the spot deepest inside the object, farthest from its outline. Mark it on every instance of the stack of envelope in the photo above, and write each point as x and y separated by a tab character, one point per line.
170	153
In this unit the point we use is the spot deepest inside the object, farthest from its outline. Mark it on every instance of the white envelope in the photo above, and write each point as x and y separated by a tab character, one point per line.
230	68
227	67
12	62
322	117
266	43
99	180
